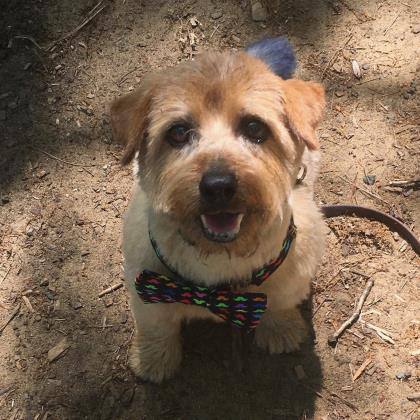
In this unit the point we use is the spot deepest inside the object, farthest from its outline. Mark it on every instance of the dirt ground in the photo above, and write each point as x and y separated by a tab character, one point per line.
63	194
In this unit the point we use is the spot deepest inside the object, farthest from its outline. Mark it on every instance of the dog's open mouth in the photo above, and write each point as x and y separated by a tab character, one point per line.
221	227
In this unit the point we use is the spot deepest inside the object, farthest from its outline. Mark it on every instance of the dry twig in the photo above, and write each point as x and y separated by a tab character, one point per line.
392	23
65	161
332	394
383	334
334	57
91	15
361	369
10	319
415	183
4	277
370	194
333	339
111	289
28	304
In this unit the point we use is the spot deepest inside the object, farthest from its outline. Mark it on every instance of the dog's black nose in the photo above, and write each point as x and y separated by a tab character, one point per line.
217	187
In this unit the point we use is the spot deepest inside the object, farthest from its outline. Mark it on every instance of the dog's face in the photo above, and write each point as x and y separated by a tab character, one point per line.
219	144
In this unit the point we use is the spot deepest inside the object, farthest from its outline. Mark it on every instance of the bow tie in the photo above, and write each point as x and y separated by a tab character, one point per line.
242	309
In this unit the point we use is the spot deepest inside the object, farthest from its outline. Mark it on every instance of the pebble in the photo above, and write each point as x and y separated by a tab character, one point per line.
365	66
337	68
4	200
193	21
42	174
44	282
339	93
369	179
403	375
77	305
217	14
408	192
416	29
259	13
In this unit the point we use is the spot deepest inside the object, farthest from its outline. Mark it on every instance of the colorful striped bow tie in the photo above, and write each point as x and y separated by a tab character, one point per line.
242	309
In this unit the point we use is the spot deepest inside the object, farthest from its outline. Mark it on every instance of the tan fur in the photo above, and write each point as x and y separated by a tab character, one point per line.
215	91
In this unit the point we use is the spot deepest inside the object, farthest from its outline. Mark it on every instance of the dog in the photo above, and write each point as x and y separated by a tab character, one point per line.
218	143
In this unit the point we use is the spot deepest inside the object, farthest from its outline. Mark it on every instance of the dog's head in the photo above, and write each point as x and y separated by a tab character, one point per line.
219	142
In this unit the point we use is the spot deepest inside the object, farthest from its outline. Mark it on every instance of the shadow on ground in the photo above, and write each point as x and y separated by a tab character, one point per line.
209	385
43	97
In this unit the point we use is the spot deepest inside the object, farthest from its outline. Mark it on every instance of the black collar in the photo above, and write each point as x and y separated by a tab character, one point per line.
257	277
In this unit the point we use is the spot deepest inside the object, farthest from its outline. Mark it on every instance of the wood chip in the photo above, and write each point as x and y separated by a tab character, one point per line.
58	350
28	304
356	69
111	289
361	369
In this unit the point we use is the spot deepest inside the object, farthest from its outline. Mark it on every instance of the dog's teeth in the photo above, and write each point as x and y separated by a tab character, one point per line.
203	219
226	236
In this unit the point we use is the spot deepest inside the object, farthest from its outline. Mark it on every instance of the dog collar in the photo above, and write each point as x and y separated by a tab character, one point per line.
242	309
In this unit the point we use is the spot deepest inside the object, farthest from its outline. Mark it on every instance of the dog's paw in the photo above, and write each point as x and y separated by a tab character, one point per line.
281	332
155	358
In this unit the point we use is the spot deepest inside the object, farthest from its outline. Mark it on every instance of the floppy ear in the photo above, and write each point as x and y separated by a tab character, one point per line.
129	119
304	103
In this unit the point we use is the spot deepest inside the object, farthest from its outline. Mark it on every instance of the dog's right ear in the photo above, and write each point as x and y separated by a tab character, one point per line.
129	119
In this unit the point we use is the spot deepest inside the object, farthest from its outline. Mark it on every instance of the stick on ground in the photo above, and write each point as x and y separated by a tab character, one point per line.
333	339
110	289
10	319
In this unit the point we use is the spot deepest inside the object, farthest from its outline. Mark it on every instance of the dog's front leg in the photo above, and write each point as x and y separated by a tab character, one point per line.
281	331
156	351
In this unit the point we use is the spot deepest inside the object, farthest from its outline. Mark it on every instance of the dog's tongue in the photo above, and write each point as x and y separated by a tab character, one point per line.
221	222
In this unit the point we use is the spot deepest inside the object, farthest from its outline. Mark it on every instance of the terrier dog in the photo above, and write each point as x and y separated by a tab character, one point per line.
217	226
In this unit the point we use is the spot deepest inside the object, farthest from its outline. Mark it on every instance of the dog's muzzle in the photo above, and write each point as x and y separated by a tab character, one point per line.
217	189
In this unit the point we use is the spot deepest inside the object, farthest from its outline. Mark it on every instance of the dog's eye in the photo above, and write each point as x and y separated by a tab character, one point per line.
254	130
179	134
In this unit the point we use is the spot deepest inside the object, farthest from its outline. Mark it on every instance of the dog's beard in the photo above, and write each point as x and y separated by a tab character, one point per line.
237	234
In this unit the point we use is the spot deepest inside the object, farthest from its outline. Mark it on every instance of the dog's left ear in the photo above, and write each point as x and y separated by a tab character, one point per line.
129	118
304	104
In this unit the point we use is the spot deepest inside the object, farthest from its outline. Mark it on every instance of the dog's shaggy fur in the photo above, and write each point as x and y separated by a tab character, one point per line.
213	93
